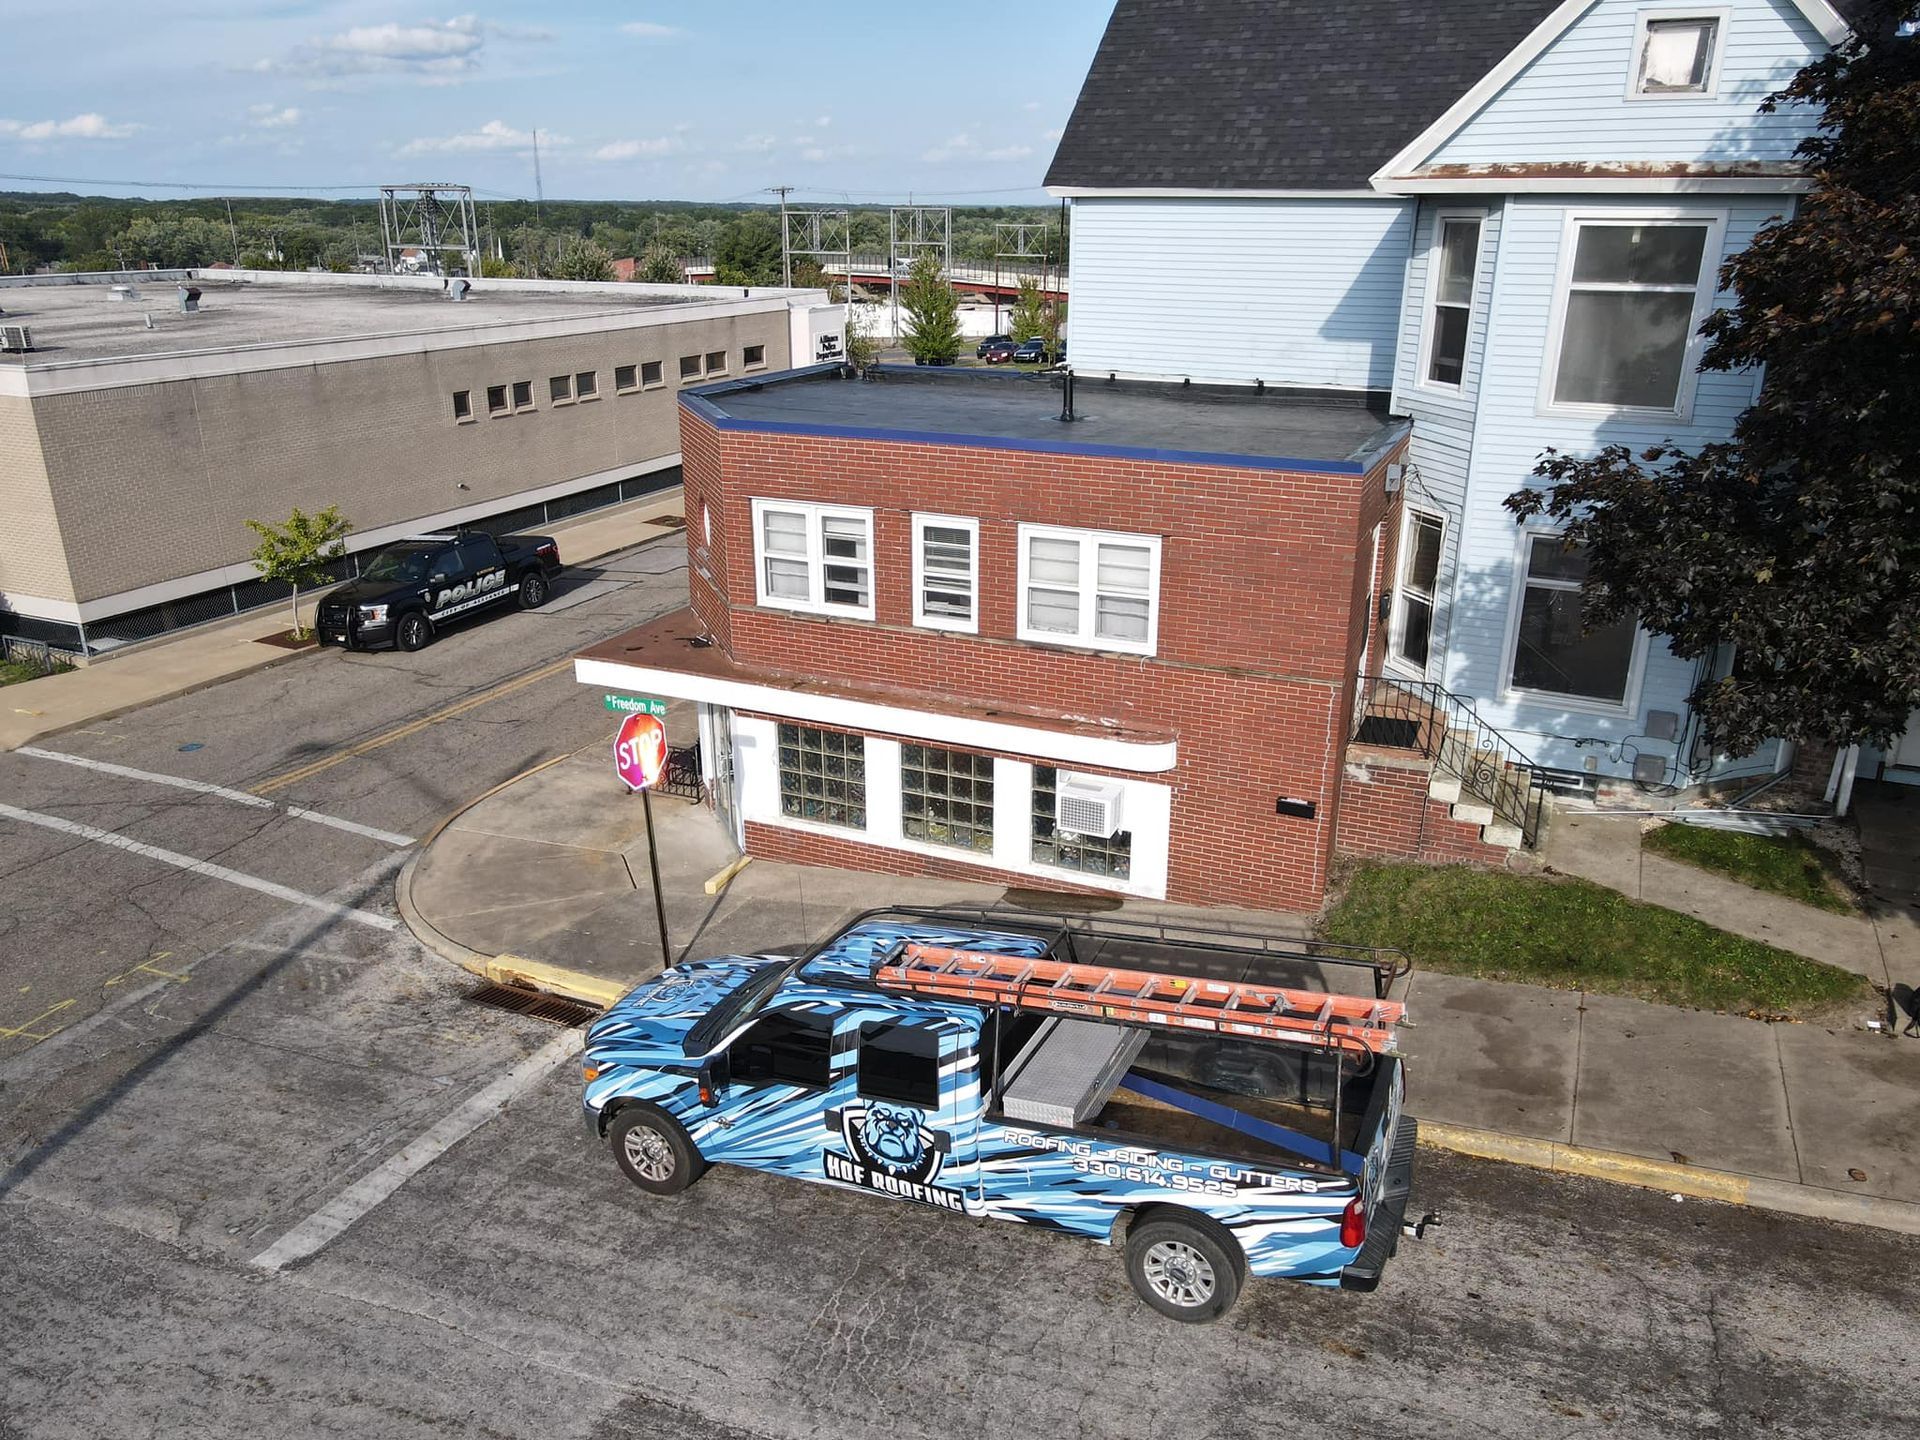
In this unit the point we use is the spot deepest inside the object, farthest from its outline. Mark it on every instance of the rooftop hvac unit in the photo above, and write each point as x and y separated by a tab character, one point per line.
15	338
189	299
1088	806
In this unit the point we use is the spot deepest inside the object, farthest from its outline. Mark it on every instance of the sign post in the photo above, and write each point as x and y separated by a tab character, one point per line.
640	757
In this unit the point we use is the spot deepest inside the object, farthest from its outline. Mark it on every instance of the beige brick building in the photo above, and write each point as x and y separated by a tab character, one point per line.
137	437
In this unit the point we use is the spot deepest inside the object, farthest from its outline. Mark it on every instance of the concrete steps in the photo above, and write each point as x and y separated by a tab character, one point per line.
1503	787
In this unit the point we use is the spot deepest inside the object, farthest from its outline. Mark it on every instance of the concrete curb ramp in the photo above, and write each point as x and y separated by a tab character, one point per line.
1694	1181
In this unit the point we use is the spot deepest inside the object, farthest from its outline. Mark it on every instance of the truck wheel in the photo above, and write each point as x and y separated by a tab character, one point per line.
653	1151
415	631
1186	1268
534	591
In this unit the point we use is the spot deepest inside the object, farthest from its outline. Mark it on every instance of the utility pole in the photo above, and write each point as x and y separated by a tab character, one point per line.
539	190
786	256
233	234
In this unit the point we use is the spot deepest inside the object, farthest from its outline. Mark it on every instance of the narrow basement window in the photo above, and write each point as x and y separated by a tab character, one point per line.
463	404
586	385
625	378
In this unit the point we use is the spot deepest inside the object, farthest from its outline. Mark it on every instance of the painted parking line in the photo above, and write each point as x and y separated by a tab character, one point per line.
203	787
198	867
350	1204
412	727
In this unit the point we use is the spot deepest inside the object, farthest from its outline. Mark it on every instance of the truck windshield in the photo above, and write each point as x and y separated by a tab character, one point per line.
737	1008
402	563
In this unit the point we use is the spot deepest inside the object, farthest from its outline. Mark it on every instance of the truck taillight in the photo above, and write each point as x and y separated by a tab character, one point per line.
1353	1224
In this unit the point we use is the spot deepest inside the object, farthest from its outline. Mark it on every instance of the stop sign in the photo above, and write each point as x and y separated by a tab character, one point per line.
640	750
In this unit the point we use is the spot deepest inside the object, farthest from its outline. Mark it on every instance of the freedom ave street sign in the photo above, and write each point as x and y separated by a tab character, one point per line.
635	705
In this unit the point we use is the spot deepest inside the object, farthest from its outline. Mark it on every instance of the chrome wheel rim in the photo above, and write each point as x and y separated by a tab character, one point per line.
536	590
1179	1274
648	1153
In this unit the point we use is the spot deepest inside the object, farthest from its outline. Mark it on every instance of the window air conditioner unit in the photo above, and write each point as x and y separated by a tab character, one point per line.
1085	805
16	337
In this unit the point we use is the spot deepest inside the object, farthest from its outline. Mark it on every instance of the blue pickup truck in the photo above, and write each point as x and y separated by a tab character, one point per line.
1161	1094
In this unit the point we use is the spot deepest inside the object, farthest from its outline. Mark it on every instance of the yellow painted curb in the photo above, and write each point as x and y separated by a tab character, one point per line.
1691	1180
555	980
724	877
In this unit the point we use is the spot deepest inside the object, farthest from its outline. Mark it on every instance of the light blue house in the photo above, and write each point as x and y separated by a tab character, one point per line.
1509	215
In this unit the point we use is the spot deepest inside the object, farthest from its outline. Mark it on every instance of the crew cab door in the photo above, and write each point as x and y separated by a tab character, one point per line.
771	1110
911	1127
487	572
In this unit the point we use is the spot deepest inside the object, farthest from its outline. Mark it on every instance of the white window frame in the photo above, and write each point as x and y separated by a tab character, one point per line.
921	522
1430	299
1089	541
1722	17
816	602
1396	626
659	384
747	363
1629	703
565	397
1706	288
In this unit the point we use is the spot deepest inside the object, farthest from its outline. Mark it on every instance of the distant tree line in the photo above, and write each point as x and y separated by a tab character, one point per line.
559	239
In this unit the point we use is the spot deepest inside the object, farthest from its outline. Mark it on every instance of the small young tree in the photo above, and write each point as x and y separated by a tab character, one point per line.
1030	320
933	314
660	266
582	259
1797	542
861	348
298	552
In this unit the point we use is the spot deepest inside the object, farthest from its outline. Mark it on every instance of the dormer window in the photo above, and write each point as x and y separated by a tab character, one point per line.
1676	55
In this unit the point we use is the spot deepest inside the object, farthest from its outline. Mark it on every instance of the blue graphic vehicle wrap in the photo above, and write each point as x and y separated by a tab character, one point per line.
952	1151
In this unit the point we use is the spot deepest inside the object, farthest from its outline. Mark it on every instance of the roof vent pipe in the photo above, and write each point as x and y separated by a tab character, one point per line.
1066	397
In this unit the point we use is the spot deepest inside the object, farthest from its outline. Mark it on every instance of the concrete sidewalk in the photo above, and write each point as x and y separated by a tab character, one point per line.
547	880
209	654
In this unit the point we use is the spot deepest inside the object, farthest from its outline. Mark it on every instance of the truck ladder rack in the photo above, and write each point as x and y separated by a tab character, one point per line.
1141	997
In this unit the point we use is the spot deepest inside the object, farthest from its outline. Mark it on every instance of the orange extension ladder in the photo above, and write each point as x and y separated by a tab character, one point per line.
1141	997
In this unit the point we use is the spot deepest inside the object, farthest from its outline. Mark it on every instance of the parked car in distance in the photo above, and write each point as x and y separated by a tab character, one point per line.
980	351
998	352
409	590
1032	352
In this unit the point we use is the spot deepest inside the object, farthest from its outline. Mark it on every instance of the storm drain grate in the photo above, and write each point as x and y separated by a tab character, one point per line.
534	1003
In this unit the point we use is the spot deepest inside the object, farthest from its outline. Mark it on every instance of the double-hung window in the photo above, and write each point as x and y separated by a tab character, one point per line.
946	570
1420	538
1089	588
1631	300
1555	651
1450	270
813	557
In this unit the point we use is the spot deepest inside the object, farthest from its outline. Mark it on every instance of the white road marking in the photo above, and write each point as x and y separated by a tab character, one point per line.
198	867
331	1219
202	787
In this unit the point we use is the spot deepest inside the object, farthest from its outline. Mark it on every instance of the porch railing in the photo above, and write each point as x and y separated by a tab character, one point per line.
1421	716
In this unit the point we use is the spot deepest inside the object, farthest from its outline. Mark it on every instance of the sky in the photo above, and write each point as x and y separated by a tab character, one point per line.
704	100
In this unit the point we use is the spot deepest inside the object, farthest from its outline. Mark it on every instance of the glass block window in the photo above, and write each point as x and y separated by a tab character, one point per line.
823	776
946	797
1110	857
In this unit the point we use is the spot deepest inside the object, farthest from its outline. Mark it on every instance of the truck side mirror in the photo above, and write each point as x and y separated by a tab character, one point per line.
713	1078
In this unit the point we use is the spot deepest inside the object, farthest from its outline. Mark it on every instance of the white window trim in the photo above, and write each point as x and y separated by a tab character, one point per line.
1721	15
1706	288
921	520
620	389
1629	703
661	383
590	396
1396	625
1089	541
566	397
746	364
1429	300
815	603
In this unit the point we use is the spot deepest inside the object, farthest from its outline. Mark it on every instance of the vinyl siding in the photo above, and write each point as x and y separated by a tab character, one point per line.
1441	451
1571	102
1509	435
1293	292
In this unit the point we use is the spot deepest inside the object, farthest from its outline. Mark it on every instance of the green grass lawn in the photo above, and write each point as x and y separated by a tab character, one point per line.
1789	865
12	672
1574	935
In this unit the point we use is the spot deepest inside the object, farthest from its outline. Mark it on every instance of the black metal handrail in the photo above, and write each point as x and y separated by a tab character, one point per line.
1446	729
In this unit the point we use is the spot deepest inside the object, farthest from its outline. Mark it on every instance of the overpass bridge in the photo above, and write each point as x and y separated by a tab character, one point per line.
1002	283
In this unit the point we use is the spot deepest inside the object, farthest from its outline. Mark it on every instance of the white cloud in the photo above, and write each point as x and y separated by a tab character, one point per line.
433	51
964	147
1051	134
1031	105
649	30
266	117
494	135
823	122
636	149
1009	152
90	126
757	144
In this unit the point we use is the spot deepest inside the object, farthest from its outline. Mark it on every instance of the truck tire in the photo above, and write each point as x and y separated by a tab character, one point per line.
653	1150
413	631
534	590
1185	1266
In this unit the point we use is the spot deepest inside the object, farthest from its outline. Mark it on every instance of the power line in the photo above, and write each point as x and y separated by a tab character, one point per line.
224	187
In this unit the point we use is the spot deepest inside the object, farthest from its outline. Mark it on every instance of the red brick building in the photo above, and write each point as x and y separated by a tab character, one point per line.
937	629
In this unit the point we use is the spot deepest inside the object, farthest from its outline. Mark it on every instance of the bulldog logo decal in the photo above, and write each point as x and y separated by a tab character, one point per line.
893	1151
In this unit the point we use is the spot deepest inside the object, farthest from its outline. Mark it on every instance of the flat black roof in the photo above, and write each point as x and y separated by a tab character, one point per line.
1279	430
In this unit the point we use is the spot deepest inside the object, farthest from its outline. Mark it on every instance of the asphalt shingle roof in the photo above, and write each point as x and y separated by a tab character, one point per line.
1275	94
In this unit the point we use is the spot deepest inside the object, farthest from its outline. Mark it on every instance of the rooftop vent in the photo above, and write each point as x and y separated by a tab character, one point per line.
457	289
189	299
15	339
123	292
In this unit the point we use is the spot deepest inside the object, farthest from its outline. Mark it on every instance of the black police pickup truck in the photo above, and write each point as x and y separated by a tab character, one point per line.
413	587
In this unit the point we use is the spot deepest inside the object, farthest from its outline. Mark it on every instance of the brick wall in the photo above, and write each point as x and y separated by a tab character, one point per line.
1386	813
31	559
1258	631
